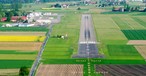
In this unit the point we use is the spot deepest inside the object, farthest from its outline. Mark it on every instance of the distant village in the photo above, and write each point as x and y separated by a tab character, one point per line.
123	5
32	19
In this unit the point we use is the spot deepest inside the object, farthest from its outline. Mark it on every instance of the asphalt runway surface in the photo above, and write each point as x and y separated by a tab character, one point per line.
87	41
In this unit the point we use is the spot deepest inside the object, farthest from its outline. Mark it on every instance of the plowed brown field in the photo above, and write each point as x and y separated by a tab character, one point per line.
121	70
137	42
60	70
141	50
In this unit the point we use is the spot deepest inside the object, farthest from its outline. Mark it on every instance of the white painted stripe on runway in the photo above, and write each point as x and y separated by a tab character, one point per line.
89	42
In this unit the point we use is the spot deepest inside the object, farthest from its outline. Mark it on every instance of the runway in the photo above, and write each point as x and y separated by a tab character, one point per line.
87	41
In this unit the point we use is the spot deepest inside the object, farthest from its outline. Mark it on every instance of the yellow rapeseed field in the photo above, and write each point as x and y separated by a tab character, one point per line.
22	38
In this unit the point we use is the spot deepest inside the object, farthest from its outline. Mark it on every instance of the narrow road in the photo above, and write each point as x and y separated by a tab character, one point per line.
37	61
87	41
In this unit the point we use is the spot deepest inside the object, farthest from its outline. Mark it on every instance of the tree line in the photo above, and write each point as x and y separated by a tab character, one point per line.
9	10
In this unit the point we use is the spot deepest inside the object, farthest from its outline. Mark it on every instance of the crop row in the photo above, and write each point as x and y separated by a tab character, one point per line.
122	24
135	34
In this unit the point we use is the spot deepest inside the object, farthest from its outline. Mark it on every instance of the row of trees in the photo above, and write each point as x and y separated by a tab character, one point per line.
11	13
133	8
24	71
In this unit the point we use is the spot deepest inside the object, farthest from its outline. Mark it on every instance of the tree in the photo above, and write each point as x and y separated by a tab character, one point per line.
16	5
78	8
18	13
3	14
57	5
9	15
1	7
127	7
24	71
0	17
113	9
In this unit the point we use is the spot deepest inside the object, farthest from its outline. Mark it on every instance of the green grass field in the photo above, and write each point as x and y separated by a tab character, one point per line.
110	34
123	52
104	22
23	29
58	48
135	34
10	64
140	21
122	24
132	23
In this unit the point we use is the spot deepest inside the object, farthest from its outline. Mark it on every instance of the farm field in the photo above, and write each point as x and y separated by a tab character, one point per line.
132	23
141	18
18	56
118	29
120	70
21	46
12	72
106	35
60	70
104	22
107	31
135	34
122	39
136	42
22	38
18	49
13	33
141	49
26	29
122	24
123	52
15	64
